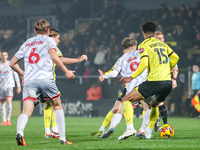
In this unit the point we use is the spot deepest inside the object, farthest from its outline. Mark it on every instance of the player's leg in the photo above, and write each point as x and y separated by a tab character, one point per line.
3	113
163	115
9	96
54	131
107	119
165	89
9	110
145	121
133	96
47	119
153	118
28	107
114	122
60	119
3	106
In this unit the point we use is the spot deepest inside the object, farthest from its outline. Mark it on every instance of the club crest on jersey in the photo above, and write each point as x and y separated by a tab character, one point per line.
141	50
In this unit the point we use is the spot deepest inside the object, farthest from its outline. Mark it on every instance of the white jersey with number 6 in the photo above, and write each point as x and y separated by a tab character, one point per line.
126	65
37	61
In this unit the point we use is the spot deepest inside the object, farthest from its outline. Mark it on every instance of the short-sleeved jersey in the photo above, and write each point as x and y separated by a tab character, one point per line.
126	65
59	54
158	61
6	76
37	61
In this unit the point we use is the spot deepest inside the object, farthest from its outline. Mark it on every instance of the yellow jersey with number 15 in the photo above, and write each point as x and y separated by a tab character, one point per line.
59	54
158	58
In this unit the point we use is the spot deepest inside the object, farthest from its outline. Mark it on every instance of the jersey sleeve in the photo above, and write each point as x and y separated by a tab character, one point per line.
173	56
20	53
58	52
116	66
52	44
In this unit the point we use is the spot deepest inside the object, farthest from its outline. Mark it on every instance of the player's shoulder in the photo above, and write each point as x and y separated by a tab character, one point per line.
58	51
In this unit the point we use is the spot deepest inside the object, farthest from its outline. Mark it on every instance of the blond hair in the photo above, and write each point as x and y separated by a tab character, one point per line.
128	42
41	26
159	33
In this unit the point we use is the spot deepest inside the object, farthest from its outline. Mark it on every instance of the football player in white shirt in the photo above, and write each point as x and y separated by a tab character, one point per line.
49	115
38	53
125	65
6	88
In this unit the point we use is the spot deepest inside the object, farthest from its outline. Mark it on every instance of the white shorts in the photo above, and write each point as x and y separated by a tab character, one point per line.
33	88
4	93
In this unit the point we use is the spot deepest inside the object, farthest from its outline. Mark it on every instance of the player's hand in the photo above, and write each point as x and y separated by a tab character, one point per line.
174	84
101	78
18	90
100	72
126	79
83	57
70	74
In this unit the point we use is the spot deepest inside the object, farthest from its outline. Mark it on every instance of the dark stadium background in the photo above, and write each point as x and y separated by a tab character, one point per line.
98	26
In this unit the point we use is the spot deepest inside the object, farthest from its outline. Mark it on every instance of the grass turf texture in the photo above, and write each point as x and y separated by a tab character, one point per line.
186	135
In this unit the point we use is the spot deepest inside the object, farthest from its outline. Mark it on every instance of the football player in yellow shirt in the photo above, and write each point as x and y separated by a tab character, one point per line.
49	114
154	55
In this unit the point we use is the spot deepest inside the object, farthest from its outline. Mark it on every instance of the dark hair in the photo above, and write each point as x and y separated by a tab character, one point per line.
149	27
196	65
128	42
53	32
4	51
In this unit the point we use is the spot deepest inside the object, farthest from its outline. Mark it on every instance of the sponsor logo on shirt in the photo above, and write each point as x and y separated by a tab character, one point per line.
141	50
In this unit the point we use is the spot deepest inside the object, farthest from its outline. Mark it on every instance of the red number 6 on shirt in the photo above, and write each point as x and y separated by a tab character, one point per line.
33	57
132	66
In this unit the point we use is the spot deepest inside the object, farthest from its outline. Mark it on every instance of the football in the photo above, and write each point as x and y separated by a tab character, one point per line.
166	131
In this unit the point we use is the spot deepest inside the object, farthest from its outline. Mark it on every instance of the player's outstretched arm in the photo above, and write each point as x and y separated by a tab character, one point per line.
14	65
68	73
68	61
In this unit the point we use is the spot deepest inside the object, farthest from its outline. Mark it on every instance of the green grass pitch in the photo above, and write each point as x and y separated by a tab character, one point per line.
187	136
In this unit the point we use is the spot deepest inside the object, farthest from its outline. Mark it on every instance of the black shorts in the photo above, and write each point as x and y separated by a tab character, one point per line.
122	95
159	88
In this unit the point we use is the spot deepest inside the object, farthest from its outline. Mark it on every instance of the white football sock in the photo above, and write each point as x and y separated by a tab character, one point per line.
47	130
21	123
3	111
9	110
115	120
60	120
55	129
145	121
102	129
129	127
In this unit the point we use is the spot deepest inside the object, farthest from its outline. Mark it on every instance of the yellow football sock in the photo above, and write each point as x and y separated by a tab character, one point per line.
143	112
128	112
54	124
108	119
47	116
153	117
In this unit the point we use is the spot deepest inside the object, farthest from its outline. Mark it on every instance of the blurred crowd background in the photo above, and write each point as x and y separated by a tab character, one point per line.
97	27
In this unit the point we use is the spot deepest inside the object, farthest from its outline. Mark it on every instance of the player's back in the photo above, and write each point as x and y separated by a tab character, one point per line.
126	65
158	61
37	61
